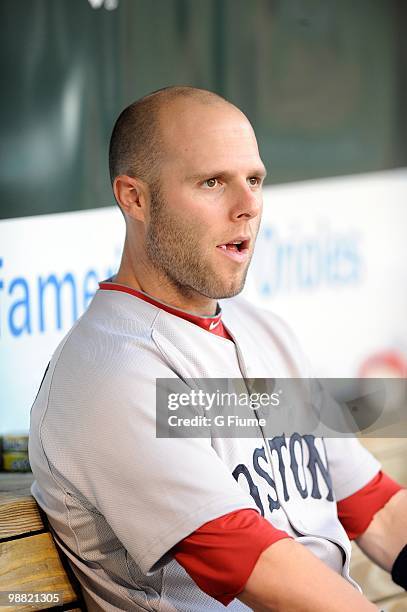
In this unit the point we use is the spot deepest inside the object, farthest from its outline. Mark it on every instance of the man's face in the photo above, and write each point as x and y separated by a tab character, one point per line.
210	196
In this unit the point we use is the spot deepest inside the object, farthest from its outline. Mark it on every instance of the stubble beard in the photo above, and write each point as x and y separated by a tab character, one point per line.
174	250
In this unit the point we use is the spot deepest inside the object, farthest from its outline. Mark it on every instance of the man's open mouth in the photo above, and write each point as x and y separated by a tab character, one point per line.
239	245
237	250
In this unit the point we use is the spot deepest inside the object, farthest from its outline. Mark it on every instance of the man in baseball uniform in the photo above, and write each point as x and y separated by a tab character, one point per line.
196	523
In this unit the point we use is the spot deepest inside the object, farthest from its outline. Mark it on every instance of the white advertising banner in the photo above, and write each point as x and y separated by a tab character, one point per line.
331	259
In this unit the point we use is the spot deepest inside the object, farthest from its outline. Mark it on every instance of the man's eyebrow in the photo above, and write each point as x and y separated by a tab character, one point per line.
201	176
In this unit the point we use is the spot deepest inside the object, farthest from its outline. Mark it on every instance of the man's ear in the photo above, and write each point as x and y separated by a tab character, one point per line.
132	196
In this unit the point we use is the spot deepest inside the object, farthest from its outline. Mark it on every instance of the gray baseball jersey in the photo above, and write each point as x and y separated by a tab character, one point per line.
118	498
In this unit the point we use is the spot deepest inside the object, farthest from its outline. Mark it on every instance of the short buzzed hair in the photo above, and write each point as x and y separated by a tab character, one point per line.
136	145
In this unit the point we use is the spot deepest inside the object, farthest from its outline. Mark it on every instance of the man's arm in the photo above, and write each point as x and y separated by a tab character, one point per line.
289	578
387	533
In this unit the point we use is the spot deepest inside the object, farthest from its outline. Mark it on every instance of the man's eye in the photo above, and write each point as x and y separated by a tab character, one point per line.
212	182
254	181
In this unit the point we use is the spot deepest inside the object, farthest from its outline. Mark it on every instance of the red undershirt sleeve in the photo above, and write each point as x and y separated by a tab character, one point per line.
357	511
221	554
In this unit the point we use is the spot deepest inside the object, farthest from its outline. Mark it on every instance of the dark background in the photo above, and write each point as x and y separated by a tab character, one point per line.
324	83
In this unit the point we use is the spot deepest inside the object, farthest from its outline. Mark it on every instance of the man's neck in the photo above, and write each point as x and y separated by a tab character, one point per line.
163	291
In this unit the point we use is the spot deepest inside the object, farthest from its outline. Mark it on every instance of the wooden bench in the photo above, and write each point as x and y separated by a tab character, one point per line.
30	562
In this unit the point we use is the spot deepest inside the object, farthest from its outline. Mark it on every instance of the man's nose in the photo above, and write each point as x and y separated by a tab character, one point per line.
247	203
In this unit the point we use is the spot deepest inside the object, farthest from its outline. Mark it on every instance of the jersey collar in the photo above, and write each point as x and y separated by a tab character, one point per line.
210	322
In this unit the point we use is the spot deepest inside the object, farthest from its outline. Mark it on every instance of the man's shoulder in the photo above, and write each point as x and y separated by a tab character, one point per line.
113	308
113	335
